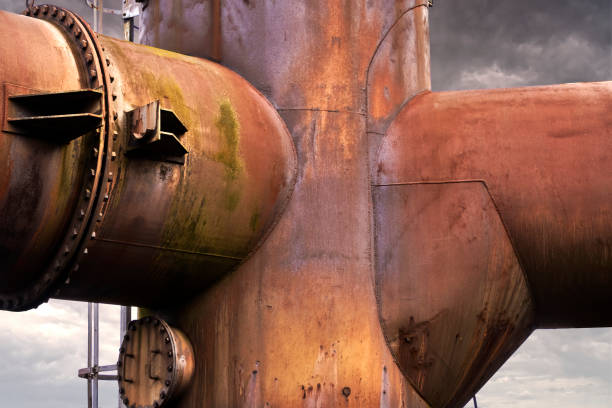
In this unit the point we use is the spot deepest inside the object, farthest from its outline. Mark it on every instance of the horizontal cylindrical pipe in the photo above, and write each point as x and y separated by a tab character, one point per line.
196	169
544	155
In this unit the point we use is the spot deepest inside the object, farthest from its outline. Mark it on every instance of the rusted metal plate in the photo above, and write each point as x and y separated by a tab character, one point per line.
454	303
544	153
156	364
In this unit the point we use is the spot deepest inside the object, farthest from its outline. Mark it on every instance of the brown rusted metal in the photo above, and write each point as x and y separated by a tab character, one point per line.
155	365
453	299
427	235
185	218
297	323
539	155
543	154
47	190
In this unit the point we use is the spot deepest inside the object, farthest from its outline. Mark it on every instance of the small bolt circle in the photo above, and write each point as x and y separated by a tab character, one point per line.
346	391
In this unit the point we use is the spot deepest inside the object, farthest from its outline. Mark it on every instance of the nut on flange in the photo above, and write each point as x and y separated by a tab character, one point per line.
155	363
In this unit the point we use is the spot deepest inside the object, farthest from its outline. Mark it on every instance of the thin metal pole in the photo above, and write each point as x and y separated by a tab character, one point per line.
89	334
126	317
475	403
95	355
100	14
95	15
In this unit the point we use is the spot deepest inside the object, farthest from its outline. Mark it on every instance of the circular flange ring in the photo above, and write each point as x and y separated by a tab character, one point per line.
84	42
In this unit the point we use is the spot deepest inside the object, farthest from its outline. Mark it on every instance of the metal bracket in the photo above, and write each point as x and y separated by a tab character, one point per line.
154	133
59	117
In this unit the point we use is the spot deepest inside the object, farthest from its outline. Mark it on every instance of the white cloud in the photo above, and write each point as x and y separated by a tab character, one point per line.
493	77
41	351
555	368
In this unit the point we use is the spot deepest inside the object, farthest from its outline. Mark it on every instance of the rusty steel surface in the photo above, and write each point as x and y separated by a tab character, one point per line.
178	227
155	364
46	188
454	303
297	324
157	227
544	154
411	245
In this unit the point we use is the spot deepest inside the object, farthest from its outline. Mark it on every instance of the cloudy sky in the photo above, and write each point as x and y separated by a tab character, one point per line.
474	44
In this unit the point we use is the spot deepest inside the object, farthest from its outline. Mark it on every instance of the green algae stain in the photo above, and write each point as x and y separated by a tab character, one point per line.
166	89
232	200
254	221
229	129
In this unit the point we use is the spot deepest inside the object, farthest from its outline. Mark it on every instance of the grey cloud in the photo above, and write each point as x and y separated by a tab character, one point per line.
532	43
112	24
41	351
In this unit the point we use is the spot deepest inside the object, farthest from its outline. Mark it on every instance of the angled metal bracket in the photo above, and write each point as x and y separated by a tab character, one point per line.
59	117
154	133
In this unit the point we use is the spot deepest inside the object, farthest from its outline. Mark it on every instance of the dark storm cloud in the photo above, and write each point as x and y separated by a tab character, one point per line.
112	24
486	43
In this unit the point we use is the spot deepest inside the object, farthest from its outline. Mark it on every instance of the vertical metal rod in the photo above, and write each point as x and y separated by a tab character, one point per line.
89	335
95	354
128	29
95	15
126	317
100	14
475	403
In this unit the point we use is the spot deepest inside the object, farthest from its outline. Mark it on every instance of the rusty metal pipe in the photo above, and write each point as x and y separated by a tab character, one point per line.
543	153
493	217
410	290
194	168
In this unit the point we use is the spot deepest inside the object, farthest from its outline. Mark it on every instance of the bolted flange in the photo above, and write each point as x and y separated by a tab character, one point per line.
155	363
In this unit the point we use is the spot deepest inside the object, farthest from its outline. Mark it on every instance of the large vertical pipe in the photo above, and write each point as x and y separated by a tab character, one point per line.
286	329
